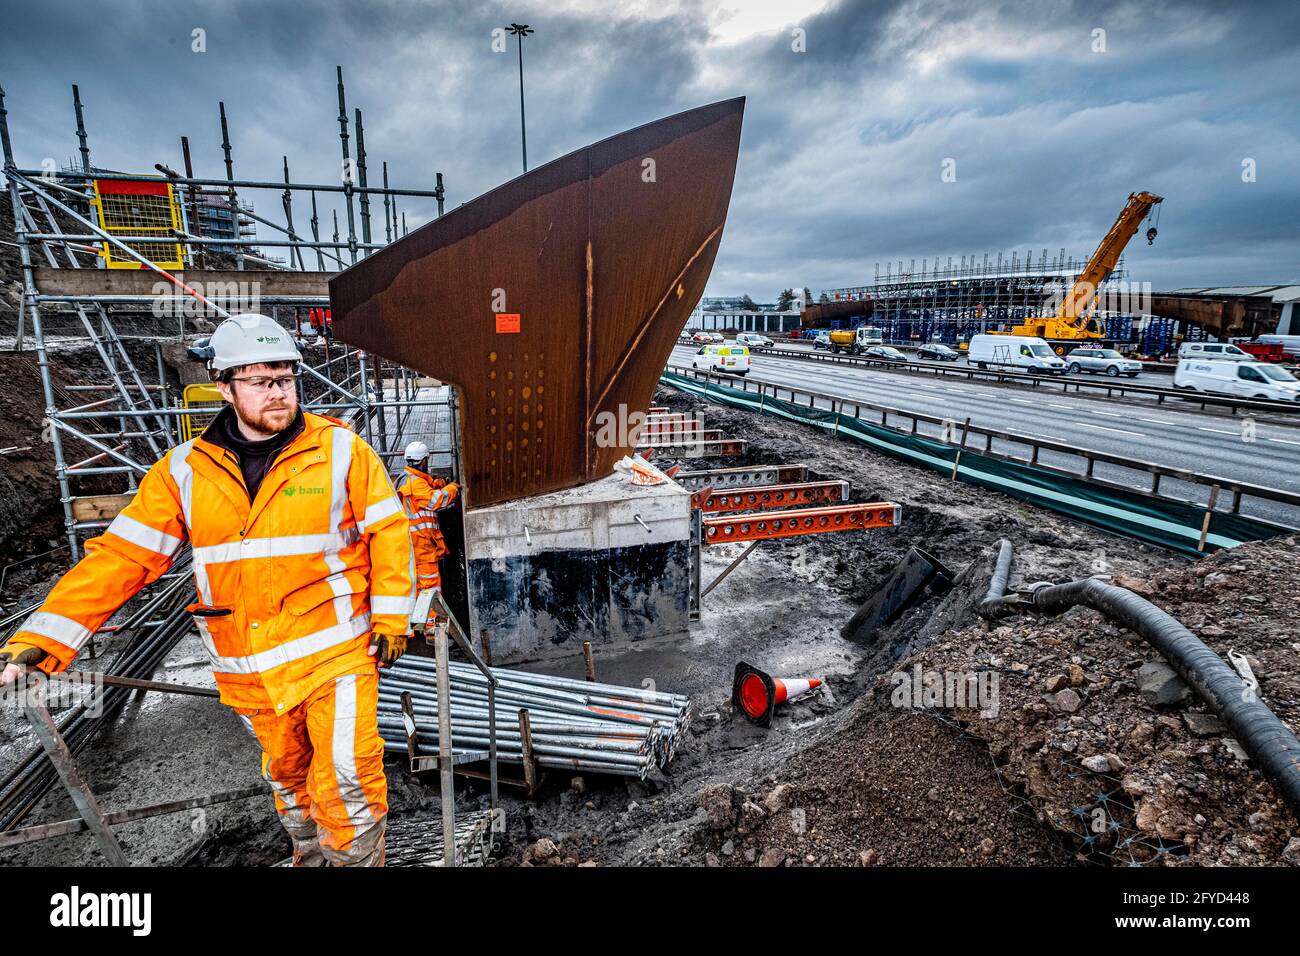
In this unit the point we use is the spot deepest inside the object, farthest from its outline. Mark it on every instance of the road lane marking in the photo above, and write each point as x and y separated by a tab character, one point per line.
1157	421
1282	441
1122	431
1217	431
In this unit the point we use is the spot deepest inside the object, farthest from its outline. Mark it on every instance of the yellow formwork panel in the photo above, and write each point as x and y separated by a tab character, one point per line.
206	401
139	207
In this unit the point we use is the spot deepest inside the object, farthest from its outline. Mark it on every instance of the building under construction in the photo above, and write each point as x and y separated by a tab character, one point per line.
953	301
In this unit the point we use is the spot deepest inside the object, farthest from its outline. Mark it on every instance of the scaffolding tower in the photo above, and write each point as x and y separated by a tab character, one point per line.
135	416
66	239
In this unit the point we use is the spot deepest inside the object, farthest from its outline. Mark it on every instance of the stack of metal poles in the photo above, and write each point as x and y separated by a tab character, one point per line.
574	724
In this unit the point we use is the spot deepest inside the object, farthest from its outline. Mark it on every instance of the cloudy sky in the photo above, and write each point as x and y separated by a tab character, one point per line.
1050	112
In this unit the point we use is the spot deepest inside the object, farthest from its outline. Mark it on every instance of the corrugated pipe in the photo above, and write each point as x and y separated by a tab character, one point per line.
1261	734
996	602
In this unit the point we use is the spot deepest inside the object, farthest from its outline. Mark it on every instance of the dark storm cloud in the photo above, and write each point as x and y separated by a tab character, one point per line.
843	144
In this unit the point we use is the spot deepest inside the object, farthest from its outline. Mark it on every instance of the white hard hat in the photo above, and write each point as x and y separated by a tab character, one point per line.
248	339
416	452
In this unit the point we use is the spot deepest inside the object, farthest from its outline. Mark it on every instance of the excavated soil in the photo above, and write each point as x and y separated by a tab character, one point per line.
837	775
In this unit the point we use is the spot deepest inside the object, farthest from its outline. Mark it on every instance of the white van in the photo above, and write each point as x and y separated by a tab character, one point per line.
732	359
1213	350
1014	351
1242	379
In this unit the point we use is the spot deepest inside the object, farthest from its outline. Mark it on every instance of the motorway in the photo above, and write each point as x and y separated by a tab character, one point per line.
1161	378
1210	443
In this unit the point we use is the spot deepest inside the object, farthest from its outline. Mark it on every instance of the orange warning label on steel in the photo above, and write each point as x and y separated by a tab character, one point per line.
507	321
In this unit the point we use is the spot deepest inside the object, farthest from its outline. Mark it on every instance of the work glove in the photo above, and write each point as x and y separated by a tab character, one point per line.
387	648
24	655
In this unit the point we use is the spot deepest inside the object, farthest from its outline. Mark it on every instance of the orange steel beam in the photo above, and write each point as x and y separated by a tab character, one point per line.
772	496
751	476
726	448
790	524
673	436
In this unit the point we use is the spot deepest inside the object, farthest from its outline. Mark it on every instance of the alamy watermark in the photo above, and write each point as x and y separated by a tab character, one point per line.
1131	298
68	689
946	689
624	428
169	301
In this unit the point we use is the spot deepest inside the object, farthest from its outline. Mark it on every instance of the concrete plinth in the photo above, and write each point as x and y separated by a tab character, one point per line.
608	562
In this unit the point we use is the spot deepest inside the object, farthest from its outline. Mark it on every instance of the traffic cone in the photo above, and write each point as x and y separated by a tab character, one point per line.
756	694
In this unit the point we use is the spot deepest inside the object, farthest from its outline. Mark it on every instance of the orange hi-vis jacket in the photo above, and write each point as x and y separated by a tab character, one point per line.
290	585
423	500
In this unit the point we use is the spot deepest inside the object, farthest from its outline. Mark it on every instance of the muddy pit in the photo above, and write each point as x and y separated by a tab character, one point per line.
872	783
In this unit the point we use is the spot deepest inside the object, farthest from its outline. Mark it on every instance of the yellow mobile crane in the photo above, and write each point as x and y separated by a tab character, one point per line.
1074	320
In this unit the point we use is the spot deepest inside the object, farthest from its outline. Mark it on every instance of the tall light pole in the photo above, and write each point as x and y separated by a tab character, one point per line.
522	30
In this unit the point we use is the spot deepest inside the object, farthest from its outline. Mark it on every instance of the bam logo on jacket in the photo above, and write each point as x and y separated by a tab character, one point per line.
303	490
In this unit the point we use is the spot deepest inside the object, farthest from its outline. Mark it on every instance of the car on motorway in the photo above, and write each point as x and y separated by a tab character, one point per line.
732	359
938	352
1091	359
701	338
1014	351
883	353
754	341
717	338
822	340
1241	379
1213	350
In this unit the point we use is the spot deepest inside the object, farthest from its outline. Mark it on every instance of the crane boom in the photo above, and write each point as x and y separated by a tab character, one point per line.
1079	304
1073	319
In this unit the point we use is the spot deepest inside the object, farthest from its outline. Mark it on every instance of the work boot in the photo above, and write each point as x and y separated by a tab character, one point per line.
308	853
306	838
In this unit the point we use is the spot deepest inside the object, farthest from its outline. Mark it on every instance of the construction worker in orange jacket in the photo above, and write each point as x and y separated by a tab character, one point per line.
304	572
423	496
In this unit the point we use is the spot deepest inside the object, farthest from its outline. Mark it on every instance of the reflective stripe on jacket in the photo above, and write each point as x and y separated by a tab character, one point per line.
422	502
290	585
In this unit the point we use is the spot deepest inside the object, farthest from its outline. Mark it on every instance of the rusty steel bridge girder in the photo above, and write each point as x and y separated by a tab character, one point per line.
554	299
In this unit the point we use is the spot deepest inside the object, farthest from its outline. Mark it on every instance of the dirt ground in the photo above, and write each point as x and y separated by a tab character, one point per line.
846	776
912	788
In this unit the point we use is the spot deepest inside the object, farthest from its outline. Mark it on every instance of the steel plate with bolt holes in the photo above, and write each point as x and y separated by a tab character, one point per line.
554	298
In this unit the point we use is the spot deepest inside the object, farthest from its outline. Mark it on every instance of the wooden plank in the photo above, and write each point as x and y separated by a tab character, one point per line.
99	507
212	284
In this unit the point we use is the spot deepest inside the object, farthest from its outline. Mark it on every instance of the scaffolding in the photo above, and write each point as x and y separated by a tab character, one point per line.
135	415
952	301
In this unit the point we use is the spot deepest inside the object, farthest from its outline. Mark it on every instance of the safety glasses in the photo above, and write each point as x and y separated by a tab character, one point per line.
262	384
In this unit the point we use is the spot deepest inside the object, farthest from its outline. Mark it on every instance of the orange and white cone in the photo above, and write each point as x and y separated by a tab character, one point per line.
757	694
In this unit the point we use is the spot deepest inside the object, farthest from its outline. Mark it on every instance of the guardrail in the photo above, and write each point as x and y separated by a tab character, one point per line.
1067	384
958	434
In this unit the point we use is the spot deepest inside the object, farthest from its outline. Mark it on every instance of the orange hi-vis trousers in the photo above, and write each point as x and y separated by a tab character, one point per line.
325	761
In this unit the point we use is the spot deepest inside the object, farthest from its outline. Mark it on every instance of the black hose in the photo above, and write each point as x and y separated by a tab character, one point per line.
1261	734
1269	741
995	599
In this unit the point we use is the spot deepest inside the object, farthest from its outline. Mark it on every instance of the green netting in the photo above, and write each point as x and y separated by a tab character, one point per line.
1168	523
